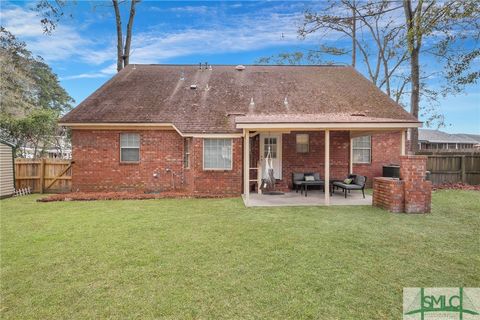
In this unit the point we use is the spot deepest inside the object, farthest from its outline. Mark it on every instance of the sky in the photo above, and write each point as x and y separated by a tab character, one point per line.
82	49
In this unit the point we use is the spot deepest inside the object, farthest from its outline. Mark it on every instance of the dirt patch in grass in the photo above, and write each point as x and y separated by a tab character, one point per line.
91	196
456	186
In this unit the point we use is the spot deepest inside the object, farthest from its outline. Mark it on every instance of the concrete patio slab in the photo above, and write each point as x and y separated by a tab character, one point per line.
315	198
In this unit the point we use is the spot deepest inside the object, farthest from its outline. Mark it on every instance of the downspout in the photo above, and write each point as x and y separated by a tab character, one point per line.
13	170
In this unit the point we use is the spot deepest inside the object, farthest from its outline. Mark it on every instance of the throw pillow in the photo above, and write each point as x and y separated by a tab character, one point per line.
347	181
309	178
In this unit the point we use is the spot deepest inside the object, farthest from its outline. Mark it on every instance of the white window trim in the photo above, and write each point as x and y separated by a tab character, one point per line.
370	152
120	147
217	169
187	153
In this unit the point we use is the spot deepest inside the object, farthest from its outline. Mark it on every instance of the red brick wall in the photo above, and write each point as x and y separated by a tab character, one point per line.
386	149
314	160
388	194
411	194
418	191
97	166
97	161
218	181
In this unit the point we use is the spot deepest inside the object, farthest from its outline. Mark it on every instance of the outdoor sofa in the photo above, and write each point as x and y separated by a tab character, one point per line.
358	182
303	181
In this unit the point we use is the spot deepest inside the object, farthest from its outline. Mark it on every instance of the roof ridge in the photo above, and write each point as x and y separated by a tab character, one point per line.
131	65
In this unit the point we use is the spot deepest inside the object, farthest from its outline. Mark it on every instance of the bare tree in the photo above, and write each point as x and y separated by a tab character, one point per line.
424	19
51	12
123	53
345	18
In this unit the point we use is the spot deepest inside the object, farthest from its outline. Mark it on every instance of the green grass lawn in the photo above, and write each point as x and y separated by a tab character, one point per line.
214	258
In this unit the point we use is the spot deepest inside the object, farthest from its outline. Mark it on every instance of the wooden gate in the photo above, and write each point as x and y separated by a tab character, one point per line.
43	175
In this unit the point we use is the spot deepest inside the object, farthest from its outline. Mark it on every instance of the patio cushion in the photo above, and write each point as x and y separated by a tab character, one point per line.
347	186
347	181
315	175
359	180
296	177
309	178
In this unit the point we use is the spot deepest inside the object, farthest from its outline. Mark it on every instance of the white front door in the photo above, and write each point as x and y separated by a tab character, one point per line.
272	143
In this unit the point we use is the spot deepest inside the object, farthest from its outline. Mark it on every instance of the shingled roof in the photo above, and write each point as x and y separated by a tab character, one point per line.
437	136
164	94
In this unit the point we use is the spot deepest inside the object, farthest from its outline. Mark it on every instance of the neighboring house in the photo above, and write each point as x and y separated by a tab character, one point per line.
159	127
59	149
439	140
7	170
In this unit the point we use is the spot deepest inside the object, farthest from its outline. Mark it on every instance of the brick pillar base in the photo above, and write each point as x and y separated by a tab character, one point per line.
411	194
418	191
388	194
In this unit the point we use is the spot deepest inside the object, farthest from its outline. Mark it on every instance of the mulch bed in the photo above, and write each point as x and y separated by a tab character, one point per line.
456	186
91	196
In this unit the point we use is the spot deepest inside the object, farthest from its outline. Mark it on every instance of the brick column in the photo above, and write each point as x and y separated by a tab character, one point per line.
418	191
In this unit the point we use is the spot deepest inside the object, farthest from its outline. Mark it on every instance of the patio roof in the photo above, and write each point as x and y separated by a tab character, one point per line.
321	121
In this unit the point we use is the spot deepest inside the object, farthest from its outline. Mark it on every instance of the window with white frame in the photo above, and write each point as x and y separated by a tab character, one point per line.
217	154
362	149
129	147
186	153
302	143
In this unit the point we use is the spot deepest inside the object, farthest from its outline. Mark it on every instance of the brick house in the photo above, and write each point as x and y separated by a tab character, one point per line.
207	129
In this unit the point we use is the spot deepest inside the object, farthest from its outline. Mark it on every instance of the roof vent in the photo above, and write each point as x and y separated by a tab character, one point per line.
182	76
240	67
358	114
193	86
285	102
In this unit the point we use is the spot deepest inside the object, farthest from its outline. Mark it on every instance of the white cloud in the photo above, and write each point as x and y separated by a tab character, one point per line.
240	33
65	43
245	34
105	72
192	9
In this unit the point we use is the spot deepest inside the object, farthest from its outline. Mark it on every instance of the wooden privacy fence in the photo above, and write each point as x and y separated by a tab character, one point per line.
43	175
453	168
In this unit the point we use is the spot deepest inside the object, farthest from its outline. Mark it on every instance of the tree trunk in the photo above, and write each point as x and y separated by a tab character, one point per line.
118	21
128	39
354	34
414	43
415	96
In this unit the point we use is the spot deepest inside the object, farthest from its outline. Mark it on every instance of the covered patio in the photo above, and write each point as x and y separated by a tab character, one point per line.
333	149
315	198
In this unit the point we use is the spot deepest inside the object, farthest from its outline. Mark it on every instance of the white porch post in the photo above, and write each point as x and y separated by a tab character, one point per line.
402	152
351	155
246	165
327	167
